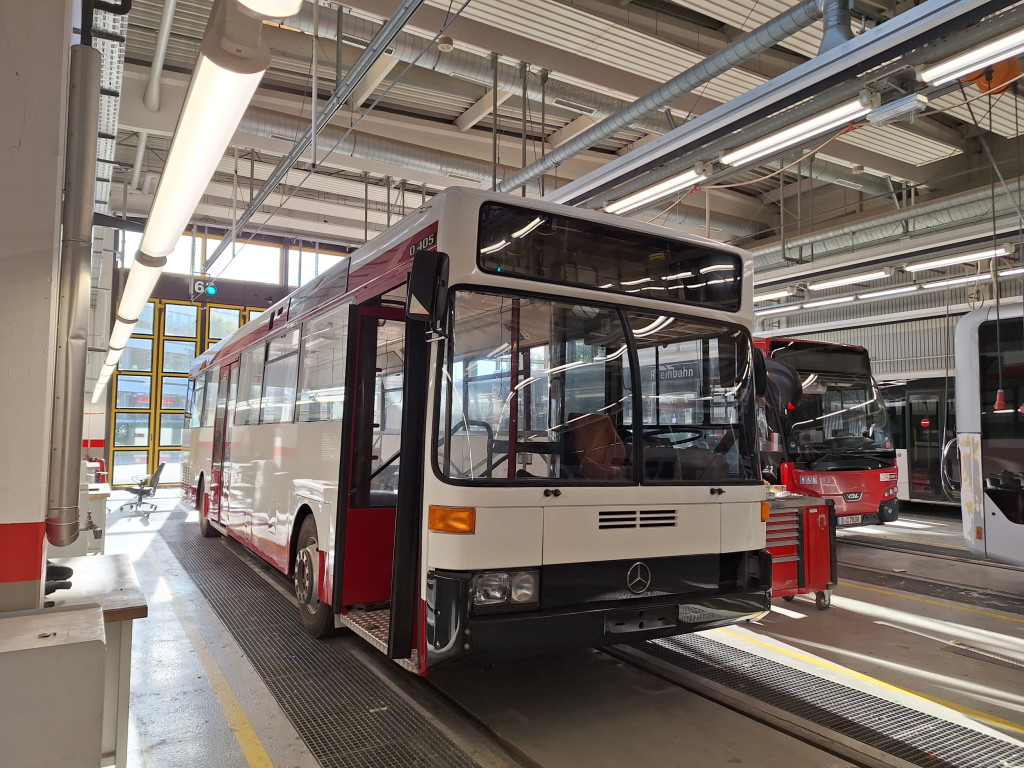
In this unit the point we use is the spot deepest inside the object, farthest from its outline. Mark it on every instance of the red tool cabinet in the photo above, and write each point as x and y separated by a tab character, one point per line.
802	542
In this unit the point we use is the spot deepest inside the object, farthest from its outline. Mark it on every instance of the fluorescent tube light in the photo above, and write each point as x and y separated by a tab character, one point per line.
963	258
978	58
662	189
120	334
216	101
848	280
826	302
798	133
888	292
225	77
1010	272
773	295
777	310
958	281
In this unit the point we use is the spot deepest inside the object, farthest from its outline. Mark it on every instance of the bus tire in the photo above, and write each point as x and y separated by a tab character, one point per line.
208	531
316	617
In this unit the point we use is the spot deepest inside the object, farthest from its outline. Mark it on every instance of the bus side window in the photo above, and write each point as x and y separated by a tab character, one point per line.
250	386
322	367
279	379
210	407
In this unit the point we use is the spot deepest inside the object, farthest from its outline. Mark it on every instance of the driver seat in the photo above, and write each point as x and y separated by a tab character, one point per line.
595	446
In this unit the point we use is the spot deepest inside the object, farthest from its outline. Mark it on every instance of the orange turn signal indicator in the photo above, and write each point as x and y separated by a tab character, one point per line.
766	511
452	519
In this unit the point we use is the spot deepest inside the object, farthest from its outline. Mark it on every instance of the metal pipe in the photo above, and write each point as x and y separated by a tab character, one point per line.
836	25
494	121
140	154
937	213
151	98
524	71
73	303
759	40
316	67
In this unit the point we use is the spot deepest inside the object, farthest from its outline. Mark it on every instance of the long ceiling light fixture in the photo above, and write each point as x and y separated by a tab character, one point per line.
231	64
964	258
669	186
888	292
827	302
849	280
786	292
804	130
778	310
977	58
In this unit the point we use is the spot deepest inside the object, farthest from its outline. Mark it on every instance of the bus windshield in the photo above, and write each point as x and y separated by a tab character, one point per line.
838	414
536	390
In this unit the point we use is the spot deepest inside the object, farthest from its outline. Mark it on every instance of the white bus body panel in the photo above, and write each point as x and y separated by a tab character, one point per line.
1002	539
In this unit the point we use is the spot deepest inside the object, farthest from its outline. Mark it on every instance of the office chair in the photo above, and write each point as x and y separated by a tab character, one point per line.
143	489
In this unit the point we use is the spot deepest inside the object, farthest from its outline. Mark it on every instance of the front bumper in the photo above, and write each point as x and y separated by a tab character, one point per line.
453	632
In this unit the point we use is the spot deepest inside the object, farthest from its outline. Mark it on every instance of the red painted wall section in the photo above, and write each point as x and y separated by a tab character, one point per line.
21	551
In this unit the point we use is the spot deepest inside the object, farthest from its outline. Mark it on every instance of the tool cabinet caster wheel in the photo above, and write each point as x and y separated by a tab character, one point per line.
823	599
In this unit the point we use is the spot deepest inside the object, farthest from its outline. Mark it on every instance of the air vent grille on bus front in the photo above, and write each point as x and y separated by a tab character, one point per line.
630	518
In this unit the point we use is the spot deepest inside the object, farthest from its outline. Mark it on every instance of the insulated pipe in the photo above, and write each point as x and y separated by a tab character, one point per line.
477	69
151	98
937	213
761	39
73	302
836	23
834	173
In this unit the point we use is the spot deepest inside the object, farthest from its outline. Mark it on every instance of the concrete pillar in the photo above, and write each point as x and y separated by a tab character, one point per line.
34	57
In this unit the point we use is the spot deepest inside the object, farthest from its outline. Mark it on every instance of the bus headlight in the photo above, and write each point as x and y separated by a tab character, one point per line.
505	591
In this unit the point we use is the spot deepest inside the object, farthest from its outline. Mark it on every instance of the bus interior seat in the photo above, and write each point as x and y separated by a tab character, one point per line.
595	446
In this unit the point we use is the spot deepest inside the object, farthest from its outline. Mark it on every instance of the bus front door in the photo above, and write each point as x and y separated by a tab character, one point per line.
374	457
220	485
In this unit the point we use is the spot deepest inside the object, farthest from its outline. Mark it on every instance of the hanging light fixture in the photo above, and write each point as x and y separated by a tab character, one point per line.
231	64
773	295
964	258
970	61
803	130
669	186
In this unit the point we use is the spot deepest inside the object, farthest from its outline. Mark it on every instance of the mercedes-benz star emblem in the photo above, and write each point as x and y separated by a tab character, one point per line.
638	578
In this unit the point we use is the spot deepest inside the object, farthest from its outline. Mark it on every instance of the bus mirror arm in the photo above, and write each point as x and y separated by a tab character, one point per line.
428	289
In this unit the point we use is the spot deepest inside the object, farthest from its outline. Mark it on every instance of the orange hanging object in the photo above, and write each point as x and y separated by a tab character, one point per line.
1002	73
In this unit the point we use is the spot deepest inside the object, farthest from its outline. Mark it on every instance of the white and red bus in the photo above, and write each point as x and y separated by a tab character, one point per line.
989	350
502	427
827	429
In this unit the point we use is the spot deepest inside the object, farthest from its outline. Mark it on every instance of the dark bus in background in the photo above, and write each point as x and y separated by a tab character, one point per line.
825	431
922	422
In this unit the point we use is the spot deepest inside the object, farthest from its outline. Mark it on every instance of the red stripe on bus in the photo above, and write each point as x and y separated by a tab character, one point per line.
21	551
94	443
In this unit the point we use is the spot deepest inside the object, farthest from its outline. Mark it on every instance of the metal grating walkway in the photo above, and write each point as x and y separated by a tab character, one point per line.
915	737
347	716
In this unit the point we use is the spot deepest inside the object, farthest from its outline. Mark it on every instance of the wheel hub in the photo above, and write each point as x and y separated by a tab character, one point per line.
305	579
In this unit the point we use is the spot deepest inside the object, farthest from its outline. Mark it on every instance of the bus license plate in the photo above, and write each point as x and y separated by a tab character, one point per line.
849	520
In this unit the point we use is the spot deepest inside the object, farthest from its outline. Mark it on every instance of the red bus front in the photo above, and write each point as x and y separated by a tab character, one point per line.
825	430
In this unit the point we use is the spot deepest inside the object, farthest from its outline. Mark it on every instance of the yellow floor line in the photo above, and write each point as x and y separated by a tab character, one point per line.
245	734
974	713
941	604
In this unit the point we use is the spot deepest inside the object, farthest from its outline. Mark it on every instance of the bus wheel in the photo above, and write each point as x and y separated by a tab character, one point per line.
208	531
315	616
